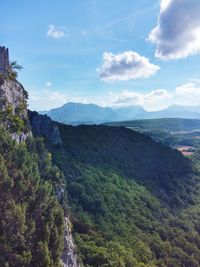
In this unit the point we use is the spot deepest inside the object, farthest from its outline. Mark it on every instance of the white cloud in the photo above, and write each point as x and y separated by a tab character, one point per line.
191	88
48	84
187	94
48	99
55	33
164	4
156	98
45	99
125	66
177	34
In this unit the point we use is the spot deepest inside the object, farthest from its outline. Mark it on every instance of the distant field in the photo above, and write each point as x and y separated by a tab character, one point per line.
186	150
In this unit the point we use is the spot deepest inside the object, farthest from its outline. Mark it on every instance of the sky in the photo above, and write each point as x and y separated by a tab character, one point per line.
112	53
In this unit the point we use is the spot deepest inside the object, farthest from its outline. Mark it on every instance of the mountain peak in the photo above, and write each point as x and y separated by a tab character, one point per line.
79	113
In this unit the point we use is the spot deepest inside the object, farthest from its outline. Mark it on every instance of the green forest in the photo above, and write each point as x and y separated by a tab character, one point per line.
32	219
167	124
170	131
134	202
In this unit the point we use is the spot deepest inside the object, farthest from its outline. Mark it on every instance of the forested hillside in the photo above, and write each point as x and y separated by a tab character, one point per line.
167	124
31	187
32	220
172	132
134	202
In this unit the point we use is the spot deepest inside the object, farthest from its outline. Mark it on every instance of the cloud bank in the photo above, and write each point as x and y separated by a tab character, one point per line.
177	34
186	94
155	99
125	66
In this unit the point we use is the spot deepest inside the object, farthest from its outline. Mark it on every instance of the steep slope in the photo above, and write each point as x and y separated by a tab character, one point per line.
32	220
129	153
44	127
171	131
31	225
34	225
134	202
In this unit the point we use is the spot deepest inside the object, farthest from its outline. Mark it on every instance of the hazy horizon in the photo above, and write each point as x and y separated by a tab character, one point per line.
116	107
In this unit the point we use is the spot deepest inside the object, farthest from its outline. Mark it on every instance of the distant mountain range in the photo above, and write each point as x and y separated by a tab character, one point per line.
78	113
174	111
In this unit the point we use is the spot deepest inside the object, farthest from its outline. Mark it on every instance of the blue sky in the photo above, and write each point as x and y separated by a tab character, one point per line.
112	53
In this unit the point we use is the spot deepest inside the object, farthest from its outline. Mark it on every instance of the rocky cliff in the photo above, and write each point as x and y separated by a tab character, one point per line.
13	109
69	257
20	123
12	92
44	127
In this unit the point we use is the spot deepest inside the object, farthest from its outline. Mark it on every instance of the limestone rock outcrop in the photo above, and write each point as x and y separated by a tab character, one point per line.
12	92
44	127
13	109
69	257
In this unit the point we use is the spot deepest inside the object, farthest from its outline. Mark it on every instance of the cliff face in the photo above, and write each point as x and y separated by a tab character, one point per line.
13	109
69	257
44	127
12	92
20	124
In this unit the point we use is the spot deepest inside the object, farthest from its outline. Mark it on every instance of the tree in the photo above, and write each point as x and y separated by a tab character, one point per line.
12	71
